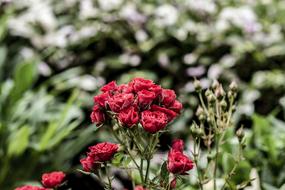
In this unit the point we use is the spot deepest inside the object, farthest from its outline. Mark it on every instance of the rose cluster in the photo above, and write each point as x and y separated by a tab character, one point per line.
178	163
139	101
98	154
49	180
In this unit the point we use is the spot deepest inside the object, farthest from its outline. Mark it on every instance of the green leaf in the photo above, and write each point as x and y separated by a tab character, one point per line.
164	174
19	141
228	162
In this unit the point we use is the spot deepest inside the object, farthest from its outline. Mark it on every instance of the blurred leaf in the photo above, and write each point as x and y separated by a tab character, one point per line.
19	141
3	54
228	162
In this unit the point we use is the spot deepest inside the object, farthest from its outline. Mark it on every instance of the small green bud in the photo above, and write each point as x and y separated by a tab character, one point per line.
219	92
197	86
224	104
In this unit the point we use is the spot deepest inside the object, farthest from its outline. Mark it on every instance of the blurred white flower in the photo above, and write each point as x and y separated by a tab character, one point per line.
109	5
207	6
130	13
215	71
60	37
196	71
134	60
243	17
166	15
87	9
190	58
141	36
44	69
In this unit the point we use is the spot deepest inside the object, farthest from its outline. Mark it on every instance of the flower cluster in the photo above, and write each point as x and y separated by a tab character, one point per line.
49	180
138	102
178	163
98	154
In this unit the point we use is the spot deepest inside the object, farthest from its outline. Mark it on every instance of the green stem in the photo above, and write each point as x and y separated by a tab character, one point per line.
216	160
147	170
203	103
108	177
196	156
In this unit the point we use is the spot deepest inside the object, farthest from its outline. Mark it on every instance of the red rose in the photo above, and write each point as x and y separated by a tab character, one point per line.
129	117
110	87
139	187
124	88
153	121
176	106
178	145
156	89
139	84
101	99
88	163
103	151
169	113
29	187
97	115
120	101
53	179
178	163
167	97
145	98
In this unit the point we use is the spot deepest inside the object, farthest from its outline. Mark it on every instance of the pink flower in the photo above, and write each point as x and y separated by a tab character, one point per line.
29	187
97	115
129	117
139	187
178	145
53	179
101	99
153	121
88	163
120	101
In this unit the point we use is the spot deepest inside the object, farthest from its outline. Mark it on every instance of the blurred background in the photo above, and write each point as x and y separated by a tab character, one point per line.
55	55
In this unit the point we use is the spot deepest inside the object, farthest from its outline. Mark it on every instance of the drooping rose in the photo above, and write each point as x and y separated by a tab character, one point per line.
97	115
176	106
178	145
169	113
110	87
30	187
178	163
53	179
145	98
103	152
121	101
139	84
167	97
129	116
88	163
101	99
153	121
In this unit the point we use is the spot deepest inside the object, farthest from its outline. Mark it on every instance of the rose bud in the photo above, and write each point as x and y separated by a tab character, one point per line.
176	106
120	101
88	164
169	113
97	115
110	87
178	145
178	163
29	187
129	117
167	97
145	98
101	99
153	121
139	84
173	183
103	152
53	179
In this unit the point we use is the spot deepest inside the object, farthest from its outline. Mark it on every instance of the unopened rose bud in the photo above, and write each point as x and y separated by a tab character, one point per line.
233	86
240	134
197	86
208	93
211	98
215	84
219	92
